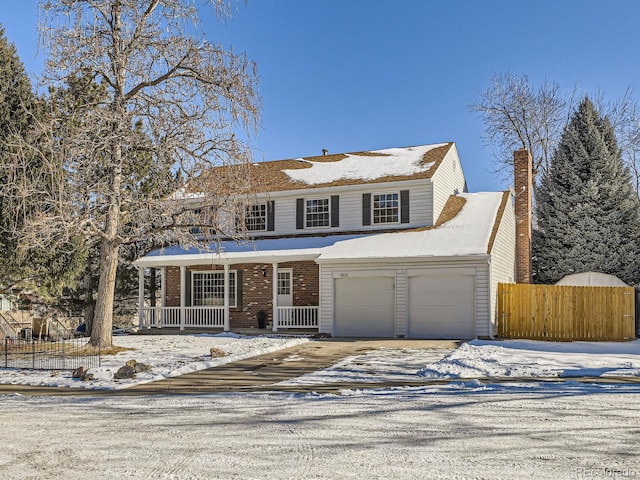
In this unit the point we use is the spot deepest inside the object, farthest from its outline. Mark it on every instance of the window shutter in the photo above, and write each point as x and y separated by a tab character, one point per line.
335	211
239	288
299	213
271	216
404	206
187	288
366	209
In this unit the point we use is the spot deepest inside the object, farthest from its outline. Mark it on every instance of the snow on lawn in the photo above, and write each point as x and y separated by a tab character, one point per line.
173	355
482	359
169	356
527	358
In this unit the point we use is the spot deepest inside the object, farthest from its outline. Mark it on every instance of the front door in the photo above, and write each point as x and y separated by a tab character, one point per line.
285	287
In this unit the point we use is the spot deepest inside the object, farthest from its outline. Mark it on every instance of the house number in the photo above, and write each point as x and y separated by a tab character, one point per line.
343	274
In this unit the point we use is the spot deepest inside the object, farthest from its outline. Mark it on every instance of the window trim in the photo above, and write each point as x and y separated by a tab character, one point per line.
216	272
264	217
398	208
306	212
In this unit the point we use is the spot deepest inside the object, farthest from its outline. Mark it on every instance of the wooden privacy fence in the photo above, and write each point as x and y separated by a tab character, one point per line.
566	313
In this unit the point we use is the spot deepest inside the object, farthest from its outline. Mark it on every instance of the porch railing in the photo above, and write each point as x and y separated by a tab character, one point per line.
297	317
158	317
194	317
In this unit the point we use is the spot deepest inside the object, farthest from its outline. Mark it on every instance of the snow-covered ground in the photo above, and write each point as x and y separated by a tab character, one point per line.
168	355
172	355
471	427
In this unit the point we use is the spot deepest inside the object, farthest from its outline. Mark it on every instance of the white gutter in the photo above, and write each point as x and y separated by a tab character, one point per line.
227	258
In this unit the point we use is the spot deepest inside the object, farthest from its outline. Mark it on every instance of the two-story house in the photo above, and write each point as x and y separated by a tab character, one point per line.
385	243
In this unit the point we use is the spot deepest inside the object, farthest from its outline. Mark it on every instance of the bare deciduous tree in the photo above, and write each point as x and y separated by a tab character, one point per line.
518	115
169	104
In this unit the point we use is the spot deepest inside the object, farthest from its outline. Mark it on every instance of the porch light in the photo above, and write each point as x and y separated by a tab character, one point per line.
264	271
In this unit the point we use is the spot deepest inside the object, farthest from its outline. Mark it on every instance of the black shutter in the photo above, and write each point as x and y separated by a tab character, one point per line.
335	211
239	288
300	213
187	289
404	206
366	209
271	216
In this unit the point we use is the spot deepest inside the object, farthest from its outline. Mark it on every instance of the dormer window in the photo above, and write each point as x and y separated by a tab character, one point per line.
317	212
386	208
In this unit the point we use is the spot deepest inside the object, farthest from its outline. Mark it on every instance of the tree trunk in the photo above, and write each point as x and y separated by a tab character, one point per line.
89	303
101	333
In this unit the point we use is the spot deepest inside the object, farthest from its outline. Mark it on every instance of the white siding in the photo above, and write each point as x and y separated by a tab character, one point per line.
402	290
503	258
350	205
483	301
447	180
325	319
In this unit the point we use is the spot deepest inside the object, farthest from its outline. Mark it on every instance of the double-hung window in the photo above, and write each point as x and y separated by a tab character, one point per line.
317	212
207	288
256	217
385	208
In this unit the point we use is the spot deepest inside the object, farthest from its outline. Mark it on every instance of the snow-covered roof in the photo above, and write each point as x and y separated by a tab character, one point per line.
404	162
592	279
377	166
467	234
265	250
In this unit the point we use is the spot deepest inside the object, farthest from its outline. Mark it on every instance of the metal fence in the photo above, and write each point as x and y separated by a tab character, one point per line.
43	355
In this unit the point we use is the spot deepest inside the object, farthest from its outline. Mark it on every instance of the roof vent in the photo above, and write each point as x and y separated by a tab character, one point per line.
324	152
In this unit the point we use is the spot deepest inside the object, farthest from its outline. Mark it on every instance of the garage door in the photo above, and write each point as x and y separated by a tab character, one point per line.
442	306
364	307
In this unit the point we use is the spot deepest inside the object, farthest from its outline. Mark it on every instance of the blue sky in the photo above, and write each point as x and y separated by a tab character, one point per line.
350	75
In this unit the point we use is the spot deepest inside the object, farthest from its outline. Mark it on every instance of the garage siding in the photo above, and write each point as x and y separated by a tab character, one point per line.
502	260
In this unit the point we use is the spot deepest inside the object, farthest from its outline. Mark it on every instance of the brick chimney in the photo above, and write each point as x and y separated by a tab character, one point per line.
522	173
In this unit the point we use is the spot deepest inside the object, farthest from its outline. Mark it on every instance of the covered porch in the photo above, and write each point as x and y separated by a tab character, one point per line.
238	287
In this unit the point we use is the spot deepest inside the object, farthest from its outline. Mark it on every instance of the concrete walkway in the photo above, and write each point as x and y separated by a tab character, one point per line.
258	373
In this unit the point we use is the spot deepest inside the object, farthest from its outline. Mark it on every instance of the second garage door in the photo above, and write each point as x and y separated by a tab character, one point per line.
442	306
364	307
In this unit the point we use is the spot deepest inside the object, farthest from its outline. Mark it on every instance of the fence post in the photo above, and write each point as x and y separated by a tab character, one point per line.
33	354
6	352
63	355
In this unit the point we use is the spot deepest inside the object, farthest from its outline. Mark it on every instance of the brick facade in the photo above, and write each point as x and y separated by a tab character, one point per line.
523	176
256	290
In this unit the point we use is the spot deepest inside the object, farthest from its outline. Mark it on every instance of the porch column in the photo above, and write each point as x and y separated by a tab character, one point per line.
183	295
163	287
141	298
226	297
163	296
274	285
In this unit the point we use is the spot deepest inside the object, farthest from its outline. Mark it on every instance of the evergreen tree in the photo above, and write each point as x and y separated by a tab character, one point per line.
588	215
46	270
